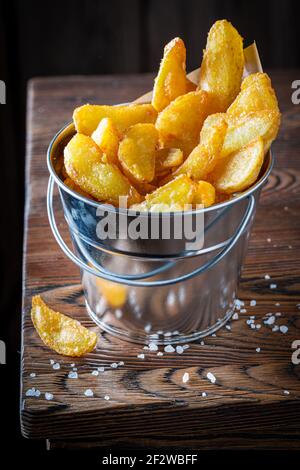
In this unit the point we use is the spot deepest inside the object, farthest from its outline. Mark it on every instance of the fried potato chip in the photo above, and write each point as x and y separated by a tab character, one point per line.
190	86
107	137
205	193
222	65
243	130
59	332
241	169
179	124
87	117
180	191
256	94
137	152
70	183
104	181
171	80
115	294
167	159
204	157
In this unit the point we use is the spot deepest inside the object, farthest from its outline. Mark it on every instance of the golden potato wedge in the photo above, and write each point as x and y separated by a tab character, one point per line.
190	86
87	117
179	124
171	79
115	294
256	94
205	193
70	183
205	155
104	181
137	152
59	332
167	159
107	137
243	130
179	191
222	65
240	170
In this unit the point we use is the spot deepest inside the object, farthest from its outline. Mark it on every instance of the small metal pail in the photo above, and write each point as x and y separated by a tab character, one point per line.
157	289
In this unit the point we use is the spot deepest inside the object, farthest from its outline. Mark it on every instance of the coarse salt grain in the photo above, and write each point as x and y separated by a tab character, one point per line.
270	320
211	377
267	277
252	303
286	392
269	240
49	396
100	369
32	375
95	372
51	362
89	393
114	365
148	327
275	328
169	348
153	346
141	356
273	286
160	353
228	327
235	316
106	397
56	366
258	326
283	329
204	394
185	377
257	350
179	349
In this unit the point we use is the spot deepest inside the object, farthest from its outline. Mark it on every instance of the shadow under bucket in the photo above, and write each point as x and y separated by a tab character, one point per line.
155	289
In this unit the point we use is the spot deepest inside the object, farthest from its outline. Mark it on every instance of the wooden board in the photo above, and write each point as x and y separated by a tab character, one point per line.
149	403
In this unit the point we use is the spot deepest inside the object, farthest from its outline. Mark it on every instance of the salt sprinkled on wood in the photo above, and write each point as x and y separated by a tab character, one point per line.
89	393
73	375
185	377
169	348
283	329
49	396
211	377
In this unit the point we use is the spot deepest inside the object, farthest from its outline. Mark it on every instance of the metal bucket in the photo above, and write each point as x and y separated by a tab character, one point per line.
155	289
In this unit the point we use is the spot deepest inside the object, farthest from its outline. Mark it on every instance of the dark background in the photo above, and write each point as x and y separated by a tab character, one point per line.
40	38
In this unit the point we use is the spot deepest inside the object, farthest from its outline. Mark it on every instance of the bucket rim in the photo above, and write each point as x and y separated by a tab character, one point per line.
69	129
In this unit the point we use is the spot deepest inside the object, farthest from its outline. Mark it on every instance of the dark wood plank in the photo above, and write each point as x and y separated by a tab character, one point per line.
149	404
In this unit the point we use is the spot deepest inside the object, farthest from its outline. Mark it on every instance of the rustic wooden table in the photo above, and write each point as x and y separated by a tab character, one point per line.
255	402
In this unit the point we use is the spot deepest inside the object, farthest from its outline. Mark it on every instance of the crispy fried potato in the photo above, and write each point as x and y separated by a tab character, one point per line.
256	94
115	294
179	123
222	65
167	159
70	183
242	130
137	152
59	332
103	181
87	117
205	193
190	86
107	137
171	79
204	157
179	191
241	169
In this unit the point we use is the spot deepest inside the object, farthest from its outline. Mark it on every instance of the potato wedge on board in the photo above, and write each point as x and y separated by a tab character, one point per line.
205	193
179	124
222	65
256	94
59	332
243	130
87	117
240	170
171	80
104	181
107	137
137	152
205	155
180	191
167	159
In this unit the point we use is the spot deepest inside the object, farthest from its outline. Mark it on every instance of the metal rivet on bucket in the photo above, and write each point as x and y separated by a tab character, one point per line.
143	290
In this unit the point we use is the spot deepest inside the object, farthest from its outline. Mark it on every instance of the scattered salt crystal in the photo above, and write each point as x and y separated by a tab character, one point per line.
153	346
30	392
141	356
89	393
278	314
258	326
56	366
257	350
277	304
107	397
160	353
283	329
72	365
185	377
286	392
121	363
179	349
243	310
101	369
168	334
211	377
202	343
185	346
267	277
37	393
228	327
252	326
270	320
51	362
49	396
169	348
252	317
73	375
95	372
250	321
214	335
32	375
273	286
114	365
286	208
235	316
204	394
290	247
252	303
148	327
275	328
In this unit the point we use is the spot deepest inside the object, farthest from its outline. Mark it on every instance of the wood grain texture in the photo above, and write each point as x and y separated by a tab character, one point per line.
149	403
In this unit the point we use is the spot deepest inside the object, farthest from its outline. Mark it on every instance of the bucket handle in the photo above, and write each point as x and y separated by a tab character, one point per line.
163	282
